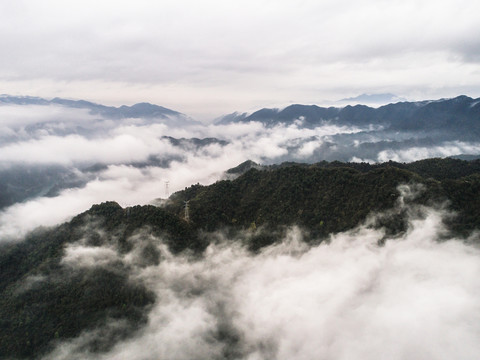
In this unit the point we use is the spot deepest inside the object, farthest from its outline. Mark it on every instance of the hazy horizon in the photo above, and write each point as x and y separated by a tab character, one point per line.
215	57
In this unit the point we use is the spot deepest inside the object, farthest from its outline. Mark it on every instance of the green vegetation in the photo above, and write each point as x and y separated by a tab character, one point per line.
43	300
120	224
329	197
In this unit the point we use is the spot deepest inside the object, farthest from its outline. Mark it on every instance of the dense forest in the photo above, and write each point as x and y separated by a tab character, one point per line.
43	300
329	197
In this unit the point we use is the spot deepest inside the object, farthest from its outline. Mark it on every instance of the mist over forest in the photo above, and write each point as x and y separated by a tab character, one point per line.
305	232
58	157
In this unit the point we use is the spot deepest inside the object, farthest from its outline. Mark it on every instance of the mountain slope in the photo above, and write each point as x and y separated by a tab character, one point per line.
330	197
51	289
83	275
140	110
458	114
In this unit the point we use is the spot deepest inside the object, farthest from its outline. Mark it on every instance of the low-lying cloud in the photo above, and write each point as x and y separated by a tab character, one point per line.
412	297
131	160
446	149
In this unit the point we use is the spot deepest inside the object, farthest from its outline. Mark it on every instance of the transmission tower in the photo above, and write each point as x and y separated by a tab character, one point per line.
167	193
187	211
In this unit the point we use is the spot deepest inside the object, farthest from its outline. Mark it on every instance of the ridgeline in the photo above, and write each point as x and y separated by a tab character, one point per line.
44	300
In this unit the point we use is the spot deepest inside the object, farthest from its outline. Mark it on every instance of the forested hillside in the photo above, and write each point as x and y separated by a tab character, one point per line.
51	290
331	197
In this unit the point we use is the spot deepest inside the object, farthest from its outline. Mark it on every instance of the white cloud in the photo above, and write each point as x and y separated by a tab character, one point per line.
446	149
17	116
74	149
118	145
412	297
85	256
308	148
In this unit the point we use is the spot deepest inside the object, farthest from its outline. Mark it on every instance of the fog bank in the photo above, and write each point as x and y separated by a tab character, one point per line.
414	297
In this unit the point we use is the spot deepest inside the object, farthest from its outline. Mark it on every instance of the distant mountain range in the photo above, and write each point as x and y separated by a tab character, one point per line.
140	110
446	127
460	114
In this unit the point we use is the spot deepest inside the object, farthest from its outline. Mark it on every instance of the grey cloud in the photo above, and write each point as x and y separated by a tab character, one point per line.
469	49
223	50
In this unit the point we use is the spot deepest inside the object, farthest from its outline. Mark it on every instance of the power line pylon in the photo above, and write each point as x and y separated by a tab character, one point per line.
187	211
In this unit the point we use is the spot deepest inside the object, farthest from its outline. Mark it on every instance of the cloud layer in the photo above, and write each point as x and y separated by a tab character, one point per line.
413	297
219	57
55	161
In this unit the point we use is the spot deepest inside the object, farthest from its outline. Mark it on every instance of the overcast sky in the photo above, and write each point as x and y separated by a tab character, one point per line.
207	58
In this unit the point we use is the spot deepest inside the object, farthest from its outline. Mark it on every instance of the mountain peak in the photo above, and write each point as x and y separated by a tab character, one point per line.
142	109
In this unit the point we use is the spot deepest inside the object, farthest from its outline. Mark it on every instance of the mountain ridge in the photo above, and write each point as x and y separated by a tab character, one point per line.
142	109
459	113
47	296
